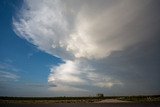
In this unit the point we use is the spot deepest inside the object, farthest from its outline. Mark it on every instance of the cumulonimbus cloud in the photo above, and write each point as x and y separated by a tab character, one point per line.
71	74
78	29
59	30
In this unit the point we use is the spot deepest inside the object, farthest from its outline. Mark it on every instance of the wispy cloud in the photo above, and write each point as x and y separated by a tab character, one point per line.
7	60
42	85
8	76
8	71
7	66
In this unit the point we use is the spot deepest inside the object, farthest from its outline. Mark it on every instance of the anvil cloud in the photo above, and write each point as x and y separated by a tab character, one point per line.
85	35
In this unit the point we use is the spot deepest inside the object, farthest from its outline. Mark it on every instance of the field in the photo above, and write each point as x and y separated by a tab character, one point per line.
84	105
55	100
119	101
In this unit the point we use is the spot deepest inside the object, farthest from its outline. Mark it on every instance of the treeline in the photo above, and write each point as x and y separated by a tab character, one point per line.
151	98
49	98
128	98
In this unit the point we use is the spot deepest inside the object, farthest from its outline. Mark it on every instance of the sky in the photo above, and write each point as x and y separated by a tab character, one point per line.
54	48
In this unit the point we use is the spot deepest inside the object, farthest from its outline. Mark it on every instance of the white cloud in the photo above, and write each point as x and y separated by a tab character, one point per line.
73	74
67	73
74	30
97	35
43	24
63	89
7	66
65	31
7	71
7	76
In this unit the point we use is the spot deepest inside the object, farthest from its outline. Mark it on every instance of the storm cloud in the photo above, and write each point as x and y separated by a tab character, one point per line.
105	45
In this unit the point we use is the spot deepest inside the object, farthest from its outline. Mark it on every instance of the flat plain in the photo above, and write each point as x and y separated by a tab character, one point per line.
123	101
85	105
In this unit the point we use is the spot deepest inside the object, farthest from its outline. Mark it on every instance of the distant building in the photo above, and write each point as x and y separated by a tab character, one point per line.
100	95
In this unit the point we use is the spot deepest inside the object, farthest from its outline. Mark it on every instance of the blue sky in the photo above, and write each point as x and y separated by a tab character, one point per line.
79	48
17	55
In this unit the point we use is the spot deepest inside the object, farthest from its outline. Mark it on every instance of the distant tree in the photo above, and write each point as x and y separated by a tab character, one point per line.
100	95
